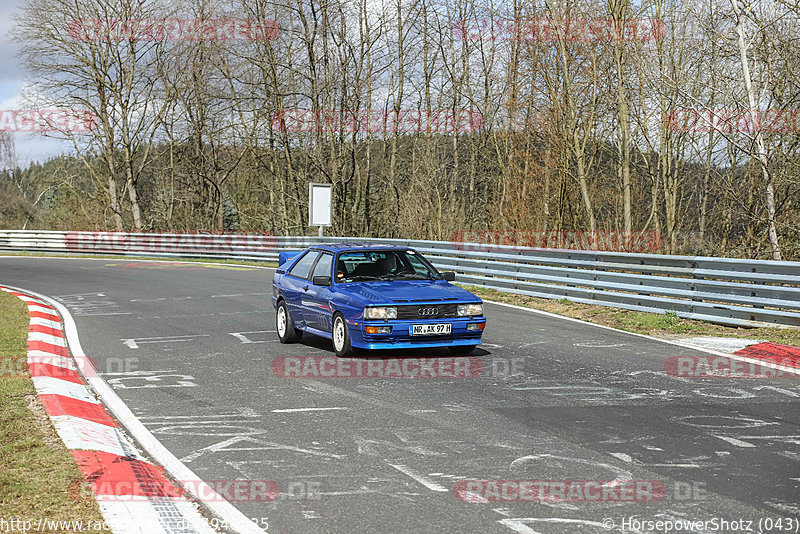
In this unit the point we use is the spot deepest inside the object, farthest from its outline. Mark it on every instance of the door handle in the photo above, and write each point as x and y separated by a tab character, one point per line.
305	288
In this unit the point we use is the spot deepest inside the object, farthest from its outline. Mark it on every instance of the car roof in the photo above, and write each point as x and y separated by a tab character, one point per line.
339	247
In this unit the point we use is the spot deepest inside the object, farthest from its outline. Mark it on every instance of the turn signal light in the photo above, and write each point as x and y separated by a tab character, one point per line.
476	326
378	329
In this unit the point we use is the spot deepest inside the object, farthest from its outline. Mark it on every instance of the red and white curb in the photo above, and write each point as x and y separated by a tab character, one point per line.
134	495
764	351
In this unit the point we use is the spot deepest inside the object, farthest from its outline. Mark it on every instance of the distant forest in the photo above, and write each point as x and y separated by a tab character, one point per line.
532	131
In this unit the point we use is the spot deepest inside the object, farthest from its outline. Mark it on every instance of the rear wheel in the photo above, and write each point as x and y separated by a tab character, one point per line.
462	350
287	333
341	337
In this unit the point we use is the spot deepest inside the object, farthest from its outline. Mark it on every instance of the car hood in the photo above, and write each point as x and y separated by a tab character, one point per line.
386	292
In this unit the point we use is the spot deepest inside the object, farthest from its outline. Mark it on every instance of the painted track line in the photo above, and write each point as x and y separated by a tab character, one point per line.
159	513
425	481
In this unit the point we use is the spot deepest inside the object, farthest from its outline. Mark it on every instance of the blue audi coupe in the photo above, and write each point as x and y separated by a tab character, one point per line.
371	296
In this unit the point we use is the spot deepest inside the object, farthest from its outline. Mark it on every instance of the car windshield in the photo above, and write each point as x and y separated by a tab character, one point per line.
366	265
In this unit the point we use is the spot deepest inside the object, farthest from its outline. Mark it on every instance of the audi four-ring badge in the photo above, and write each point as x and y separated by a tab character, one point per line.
370	296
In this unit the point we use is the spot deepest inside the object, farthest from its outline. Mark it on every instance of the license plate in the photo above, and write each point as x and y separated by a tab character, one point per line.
431	329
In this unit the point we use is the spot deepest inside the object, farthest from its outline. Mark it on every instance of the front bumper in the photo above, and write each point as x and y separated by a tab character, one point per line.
400	338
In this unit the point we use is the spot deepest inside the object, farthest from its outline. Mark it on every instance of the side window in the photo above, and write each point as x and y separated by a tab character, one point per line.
303	266
324	265
417	264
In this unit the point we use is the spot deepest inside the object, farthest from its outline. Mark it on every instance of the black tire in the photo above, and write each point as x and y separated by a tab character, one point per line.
284	323
340	335
462	350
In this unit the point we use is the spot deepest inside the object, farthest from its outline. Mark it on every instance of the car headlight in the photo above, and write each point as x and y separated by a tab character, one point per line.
470	310
380	313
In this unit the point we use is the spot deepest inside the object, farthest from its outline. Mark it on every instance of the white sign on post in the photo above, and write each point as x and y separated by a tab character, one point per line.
319	205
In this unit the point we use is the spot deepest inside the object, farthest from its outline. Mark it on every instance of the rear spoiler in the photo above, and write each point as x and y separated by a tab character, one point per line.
287	255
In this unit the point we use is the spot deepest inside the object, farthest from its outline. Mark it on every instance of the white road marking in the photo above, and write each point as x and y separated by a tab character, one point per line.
242	336
717	393
148	379
672	465
788	508
734	441
291	410
226	445
622	456
794	439
622	475
134	343
431	485
203	418
777	390
599	345
731	421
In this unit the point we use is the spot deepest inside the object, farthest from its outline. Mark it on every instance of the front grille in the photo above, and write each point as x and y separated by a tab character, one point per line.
443	311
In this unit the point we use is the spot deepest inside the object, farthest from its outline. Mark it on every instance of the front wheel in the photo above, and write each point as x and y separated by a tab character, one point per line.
462	350
341	337
287	333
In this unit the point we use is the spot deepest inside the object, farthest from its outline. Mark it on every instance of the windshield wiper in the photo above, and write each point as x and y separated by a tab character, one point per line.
417	276
371	277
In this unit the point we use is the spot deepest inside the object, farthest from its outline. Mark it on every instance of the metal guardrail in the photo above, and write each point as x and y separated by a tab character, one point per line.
728	291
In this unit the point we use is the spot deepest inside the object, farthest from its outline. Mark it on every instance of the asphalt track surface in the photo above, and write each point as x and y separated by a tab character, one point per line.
188	347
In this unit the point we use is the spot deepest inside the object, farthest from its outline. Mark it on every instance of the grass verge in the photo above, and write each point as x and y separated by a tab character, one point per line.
668	325
37	474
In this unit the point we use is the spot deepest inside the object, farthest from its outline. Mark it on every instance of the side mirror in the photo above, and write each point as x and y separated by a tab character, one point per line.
321	280
449	276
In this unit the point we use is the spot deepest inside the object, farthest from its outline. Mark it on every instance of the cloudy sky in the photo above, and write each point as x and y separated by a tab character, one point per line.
29	147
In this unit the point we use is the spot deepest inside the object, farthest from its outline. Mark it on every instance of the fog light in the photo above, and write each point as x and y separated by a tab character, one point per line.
476	326
378	329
